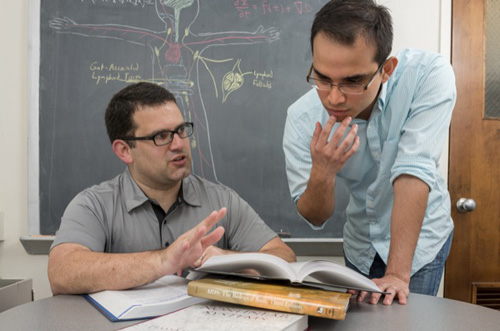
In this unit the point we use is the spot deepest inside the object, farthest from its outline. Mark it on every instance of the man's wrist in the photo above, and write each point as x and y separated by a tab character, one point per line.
399	274
321	178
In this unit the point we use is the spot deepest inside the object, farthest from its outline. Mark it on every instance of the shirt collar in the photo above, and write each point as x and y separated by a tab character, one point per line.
134	196
190	191
382	97
378	106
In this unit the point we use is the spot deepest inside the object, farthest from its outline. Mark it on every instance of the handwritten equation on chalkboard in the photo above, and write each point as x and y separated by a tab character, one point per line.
248	9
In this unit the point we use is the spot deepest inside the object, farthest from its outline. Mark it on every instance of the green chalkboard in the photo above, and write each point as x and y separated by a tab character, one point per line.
234	66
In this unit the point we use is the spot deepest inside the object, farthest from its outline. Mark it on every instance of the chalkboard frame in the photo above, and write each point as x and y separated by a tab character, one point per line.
33	128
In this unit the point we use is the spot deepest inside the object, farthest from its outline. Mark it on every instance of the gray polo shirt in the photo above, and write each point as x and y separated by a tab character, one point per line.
117	217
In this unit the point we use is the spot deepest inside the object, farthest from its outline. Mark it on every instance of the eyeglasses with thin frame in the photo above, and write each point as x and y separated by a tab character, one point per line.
346	88
165	137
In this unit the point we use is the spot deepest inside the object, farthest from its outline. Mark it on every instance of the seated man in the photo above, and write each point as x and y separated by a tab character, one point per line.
145	223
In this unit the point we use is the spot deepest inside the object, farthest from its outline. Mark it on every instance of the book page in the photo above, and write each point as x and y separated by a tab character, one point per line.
331	273
266	265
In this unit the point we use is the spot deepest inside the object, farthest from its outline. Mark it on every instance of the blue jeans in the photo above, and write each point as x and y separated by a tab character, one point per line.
424	281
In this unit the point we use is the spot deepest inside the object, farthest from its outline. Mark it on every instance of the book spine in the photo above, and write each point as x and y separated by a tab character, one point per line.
267	301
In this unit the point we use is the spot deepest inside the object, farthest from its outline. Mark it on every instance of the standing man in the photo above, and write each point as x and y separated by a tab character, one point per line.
145	223
380	123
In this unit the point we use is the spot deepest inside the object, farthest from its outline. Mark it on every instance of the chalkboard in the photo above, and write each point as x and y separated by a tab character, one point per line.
234	66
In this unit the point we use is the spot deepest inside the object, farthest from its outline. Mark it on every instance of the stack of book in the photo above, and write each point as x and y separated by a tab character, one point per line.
219	290
315	288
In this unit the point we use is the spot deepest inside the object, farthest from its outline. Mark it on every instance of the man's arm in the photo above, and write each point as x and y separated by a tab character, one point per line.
410	202
317	202
74	269
425	130
277	247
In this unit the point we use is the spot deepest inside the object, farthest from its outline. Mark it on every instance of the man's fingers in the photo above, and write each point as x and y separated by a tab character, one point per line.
392	293
201	229
196	234
389	297
213	218
361	296
317	131
354	147
402	296
345	145
335	148
212	237
204	226
197	263
374	298
327	129
339	132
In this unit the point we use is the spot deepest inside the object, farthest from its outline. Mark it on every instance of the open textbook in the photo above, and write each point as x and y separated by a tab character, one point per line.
323	273
160	297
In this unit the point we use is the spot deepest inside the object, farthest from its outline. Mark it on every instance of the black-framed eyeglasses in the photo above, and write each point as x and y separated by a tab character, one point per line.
165	137
346	88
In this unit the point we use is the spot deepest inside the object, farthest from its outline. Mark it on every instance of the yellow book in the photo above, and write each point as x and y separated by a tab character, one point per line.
292	299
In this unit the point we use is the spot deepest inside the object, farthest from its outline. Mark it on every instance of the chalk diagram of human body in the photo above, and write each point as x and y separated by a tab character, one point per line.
176	59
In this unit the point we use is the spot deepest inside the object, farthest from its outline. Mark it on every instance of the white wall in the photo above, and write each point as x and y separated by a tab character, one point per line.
14	261
417	24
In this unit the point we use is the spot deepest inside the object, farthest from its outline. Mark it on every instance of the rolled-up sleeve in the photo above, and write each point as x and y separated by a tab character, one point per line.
425	128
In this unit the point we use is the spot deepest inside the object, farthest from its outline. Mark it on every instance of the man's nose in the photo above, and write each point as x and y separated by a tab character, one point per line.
336	96
177	142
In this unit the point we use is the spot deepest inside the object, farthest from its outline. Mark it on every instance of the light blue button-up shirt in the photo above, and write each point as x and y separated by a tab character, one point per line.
405	134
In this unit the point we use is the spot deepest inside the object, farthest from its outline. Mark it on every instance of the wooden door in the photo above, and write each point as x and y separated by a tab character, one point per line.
474	162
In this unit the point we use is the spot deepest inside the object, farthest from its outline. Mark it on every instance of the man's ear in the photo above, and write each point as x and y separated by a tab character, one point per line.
389	67
122	150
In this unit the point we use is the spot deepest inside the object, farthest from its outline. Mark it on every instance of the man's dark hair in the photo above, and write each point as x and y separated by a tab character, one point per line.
123	105
343	21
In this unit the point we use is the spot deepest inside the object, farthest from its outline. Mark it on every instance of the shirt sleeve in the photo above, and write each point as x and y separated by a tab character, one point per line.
82	223
245	230
299	128
297	158
424	131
